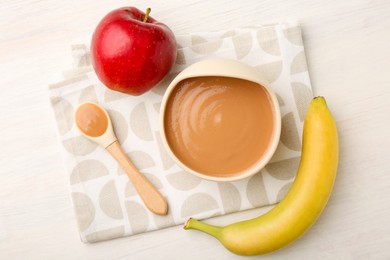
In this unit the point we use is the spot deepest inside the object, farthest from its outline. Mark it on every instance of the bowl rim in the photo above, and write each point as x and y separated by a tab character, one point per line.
223	67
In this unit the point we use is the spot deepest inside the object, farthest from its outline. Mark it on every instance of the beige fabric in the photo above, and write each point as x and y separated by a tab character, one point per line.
106	204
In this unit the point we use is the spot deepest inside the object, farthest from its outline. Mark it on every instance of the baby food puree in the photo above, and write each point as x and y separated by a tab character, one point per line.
219	126
91	120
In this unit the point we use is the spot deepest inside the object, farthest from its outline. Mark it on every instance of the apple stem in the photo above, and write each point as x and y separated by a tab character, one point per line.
147	14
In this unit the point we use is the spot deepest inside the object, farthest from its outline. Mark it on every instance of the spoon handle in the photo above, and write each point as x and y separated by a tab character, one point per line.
153	200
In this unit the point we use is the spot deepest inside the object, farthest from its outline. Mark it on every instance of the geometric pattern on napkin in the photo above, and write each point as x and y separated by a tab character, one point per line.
105	203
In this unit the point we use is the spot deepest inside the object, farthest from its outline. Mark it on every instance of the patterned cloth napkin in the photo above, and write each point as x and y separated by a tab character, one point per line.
106	204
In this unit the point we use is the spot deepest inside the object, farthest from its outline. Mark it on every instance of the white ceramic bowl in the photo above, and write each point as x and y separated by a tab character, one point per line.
233	69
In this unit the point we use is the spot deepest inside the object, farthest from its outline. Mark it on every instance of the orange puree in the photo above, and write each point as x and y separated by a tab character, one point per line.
91	120
219	126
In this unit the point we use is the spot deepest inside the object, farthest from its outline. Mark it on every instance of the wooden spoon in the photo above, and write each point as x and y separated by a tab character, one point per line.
94	122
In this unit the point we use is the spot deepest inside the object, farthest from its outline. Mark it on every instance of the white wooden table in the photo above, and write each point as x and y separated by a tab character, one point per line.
348	52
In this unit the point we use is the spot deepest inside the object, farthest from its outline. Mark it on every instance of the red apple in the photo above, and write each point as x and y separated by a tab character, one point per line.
131	51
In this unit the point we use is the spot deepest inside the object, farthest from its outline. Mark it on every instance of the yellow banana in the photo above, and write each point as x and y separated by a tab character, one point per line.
304	201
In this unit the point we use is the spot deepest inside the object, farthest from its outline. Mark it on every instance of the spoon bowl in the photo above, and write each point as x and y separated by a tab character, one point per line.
94	122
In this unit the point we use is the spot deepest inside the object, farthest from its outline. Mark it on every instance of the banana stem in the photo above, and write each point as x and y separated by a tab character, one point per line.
214	231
